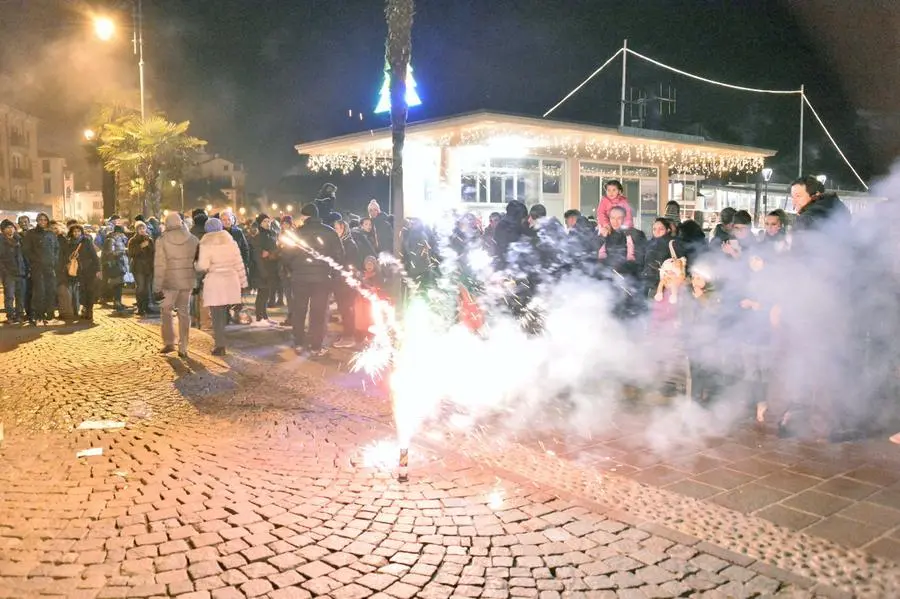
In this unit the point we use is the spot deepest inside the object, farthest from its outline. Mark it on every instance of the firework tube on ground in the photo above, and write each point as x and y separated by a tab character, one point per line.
403	470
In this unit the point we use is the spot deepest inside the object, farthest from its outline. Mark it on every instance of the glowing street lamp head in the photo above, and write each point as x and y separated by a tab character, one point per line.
767	174
104	28
89	134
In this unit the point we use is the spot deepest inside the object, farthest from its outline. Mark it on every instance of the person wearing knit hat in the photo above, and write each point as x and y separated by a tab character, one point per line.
12	272
381	226
213	225
174	279
220	259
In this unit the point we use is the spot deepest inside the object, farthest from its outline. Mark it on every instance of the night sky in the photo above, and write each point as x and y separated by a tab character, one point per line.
255	78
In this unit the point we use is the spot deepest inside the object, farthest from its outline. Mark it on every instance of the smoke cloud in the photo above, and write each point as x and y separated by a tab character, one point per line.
826	322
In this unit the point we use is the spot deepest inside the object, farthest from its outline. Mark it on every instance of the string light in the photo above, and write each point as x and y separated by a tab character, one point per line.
678	158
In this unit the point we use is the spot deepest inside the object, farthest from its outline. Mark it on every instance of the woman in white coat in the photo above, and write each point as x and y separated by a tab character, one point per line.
225	277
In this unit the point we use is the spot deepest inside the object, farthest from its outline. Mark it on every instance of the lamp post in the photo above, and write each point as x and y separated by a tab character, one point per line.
105	28
821	179
767	174
180	184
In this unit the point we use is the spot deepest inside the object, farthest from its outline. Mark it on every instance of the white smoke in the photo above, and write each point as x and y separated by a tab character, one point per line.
832	356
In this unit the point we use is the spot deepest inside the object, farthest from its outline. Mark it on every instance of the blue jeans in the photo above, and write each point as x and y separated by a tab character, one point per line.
14	296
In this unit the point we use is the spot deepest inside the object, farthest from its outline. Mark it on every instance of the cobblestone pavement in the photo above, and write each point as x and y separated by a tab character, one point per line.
235	478
848	493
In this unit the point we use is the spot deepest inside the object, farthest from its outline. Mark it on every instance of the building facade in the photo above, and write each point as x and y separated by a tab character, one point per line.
20	181
214	177
478	162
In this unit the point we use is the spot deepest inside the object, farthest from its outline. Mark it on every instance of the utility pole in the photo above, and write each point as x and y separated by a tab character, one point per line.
624	67
802	100
139	48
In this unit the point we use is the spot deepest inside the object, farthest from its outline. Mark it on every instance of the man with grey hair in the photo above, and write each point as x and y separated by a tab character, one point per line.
175	279
230	224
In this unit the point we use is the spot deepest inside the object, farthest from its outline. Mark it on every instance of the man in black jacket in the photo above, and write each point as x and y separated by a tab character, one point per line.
230	224
12	272
41	248
311	278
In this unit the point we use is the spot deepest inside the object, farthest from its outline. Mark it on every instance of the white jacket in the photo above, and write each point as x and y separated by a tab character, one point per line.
220	258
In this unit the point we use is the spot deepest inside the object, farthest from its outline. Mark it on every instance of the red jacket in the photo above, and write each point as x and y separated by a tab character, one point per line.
606	204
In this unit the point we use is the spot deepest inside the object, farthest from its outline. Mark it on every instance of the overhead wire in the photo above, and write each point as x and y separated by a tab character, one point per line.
800	92
585	82
833	142
713	81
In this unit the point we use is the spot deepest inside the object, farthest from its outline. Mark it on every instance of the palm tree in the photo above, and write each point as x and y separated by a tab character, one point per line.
144	150
398	48
103	115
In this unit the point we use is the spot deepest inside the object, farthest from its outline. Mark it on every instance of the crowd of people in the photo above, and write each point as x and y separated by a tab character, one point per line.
195	269
716	300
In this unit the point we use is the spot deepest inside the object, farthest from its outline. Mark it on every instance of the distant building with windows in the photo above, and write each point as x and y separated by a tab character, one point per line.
213	177
20	180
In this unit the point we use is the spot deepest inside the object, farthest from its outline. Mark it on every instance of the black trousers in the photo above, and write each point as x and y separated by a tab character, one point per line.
311	298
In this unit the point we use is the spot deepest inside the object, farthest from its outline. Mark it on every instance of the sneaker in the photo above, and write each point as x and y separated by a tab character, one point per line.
183	355
167	349
344	343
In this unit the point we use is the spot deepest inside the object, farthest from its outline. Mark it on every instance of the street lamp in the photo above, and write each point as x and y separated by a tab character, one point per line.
242	211
821	179
89	134
290	207
209	208
181	185
767	174
104	29
274	206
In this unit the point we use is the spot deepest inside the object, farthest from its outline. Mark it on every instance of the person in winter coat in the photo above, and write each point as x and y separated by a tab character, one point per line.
381	226
613	198
311	279
140	252
230	224
816	208
63	296
12	272
343	293
115	264
419	253
175	279
82	286
325	202
511	229
41	248
364	236
657	252
264	253
775	238
722	233
225	276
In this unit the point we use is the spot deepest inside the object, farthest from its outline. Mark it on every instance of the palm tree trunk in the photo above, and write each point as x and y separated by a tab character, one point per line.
109	191
399	16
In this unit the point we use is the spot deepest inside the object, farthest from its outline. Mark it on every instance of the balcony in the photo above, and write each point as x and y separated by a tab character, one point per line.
23	173
19	139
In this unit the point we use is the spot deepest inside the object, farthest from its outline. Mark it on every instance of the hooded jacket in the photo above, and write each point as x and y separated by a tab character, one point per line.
173	264
606	204
510	230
